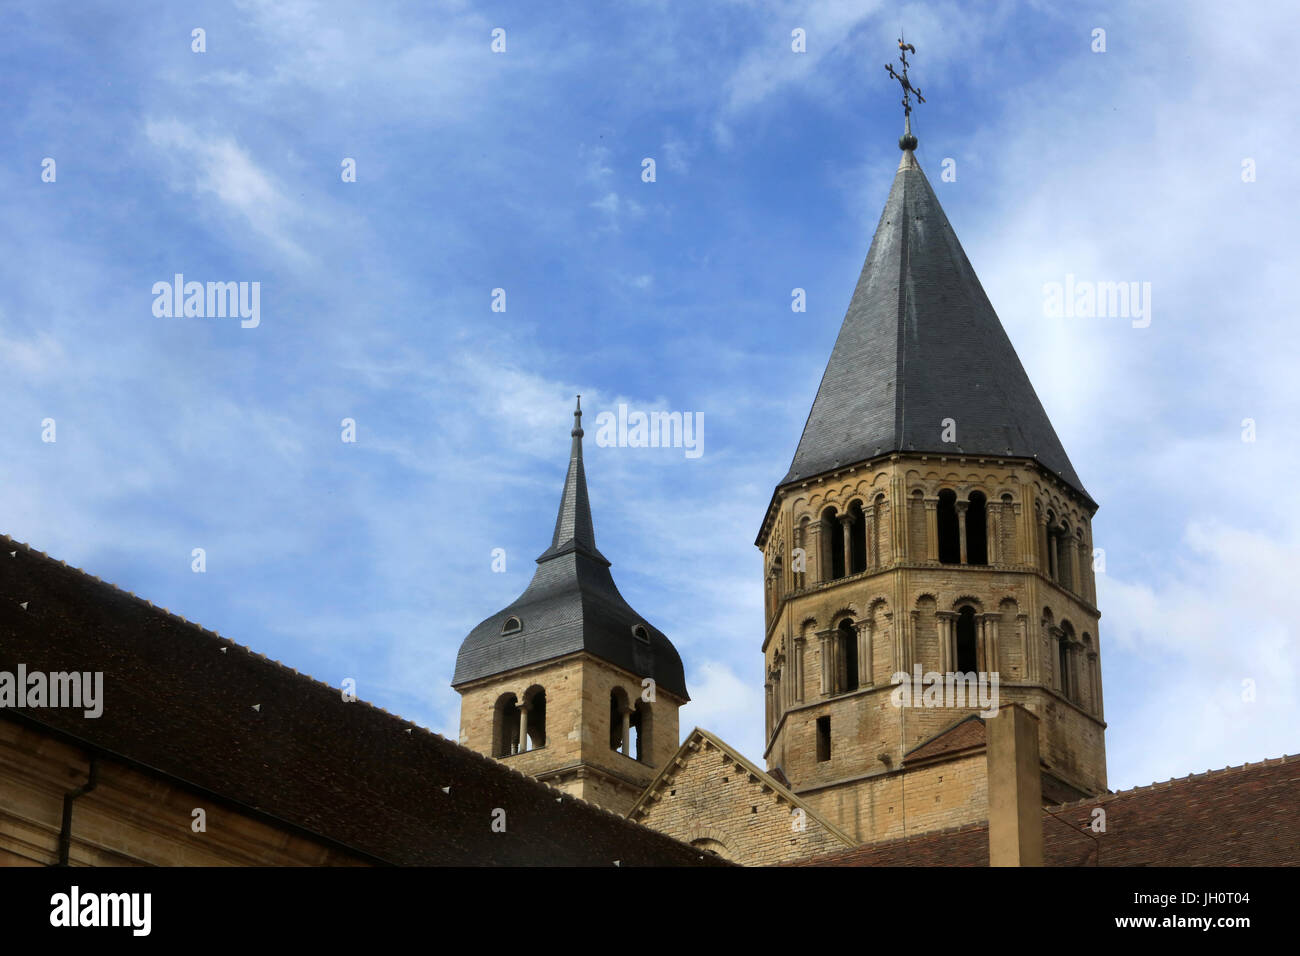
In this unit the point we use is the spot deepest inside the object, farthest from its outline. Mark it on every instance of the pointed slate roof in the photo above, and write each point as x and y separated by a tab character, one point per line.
921	343
571	604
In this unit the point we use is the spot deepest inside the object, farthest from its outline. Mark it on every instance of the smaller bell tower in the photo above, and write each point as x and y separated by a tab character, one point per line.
569	683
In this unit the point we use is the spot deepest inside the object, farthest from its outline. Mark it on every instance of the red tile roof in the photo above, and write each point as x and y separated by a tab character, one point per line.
208	713
1240	816
966	734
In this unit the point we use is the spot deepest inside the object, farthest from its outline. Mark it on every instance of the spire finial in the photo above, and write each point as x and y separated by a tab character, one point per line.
577	420
907	141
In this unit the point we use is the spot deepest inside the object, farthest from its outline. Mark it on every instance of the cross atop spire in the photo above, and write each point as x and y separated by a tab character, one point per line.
907	140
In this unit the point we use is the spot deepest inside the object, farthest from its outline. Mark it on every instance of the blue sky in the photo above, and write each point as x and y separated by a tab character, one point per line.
522	171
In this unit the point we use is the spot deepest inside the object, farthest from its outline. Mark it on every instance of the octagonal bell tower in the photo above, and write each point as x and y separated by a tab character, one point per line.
930	523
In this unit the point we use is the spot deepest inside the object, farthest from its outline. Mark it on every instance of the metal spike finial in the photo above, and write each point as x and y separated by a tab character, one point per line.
907	140
577	420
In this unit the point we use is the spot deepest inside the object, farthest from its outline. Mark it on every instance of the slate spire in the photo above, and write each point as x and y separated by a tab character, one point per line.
571	604
920	344
573	526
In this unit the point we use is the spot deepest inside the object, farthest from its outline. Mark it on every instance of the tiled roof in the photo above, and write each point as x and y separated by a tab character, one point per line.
963	735
571	605
186	703
921	343
1240	816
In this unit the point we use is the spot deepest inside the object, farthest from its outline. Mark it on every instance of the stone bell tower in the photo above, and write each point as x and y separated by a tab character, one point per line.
930	519
569	683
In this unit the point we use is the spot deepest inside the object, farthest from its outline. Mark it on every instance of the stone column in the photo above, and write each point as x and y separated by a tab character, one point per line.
827	655
1028	666
947	622
523	728
1053	557
1024	547
994	528
1043	539
864	629
1059	675
768	709
897	505
869	516
932	529
961	527
627	732
903	639
797	577
846	532
1048	660
813	550
989	643
798	669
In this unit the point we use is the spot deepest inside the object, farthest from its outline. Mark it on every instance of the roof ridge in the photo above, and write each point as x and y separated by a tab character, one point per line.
1172	781
207	632
946	730
895	841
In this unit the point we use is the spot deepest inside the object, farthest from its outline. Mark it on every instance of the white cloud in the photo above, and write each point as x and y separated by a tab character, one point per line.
208	164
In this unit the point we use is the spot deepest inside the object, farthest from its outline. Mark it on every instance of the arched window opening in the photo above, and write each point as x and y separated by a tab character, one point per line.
846	640
857	539
823	739
833	542
1064	564
949	531
505	726
640	633
643	731
777	590
619	721
1047	538
977	530
511	625
536	718
1090	671
711	846
1068	690
967	654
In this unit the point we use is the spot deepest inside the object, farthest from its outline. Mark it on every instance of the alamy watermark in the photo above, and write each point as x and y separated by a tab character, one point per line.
215	300
1101	300
651	430
953	689
76	689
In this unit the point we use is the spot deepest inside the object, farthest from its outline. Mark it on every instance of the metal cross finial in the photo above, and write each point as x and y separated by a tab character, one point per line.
908	141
